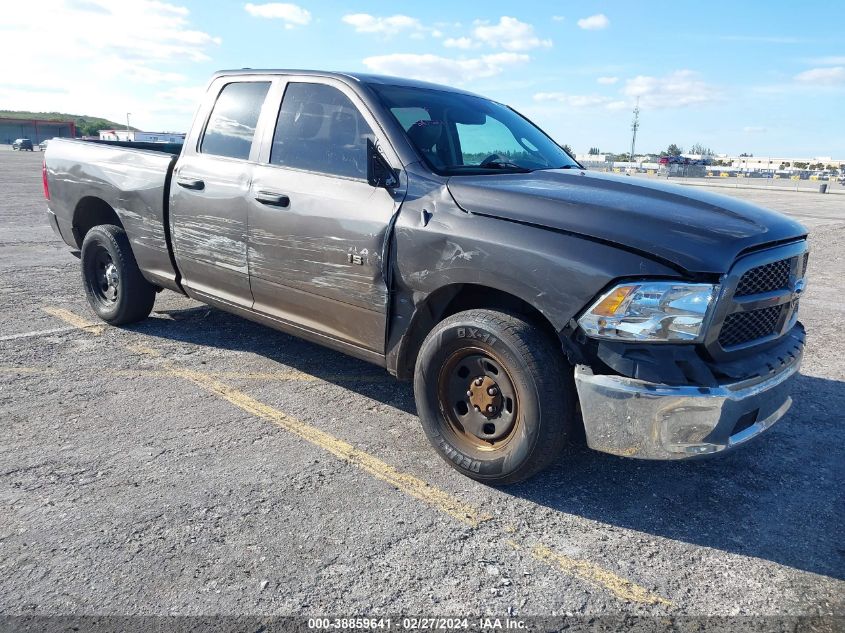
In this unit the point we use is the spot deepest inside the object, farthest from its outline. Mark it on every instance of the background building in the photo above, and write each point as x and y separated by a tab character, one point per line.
36	130
142	137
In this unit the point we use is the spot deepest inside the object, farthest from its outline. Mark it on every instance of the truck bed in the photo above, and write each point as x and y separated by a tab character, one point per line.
134	181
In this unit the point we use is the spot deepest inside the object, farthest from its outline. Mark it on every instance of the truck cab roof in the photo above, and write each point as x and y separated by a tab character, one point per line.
362	78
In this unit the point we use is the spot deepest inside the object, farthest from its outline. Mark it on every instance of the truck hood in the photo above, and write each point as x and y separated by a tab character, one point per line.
696	230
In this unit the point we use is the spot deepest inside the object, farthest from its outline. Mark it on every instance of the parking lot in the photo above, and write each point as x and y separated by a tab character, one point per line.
196	463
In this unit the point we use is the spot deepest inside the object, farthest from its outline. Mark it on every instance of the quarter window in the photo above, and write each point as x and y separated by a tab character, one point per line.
319	129
231	127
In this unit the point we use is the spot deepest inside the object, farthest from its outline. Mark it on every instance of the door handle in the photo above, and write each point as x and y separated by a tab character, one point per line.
272	199
190	183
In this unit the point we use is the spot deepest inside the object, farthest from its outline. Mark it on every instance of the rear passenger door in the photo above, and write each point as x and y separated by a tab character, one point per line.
210	190
316	227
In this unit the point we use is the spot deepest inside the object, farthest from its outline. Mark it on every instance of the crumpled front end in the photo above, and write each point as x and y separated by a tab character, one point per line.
636	418
672	402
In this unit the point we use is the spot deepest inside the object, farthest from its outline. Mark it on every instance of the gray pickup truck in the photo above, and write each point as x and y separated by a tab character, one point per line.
446	238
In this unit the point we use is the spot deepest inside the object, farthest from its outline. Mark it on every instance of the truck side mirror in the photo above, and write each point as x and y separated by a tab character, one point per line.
379	173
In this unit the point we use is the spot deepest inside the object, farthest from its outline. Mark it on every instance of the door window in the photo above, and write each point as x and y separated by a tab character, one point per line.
319	129
231	127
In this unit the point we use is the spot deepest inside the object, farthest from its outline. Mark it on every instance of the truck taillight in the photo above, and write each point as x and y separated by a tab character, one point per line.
44	179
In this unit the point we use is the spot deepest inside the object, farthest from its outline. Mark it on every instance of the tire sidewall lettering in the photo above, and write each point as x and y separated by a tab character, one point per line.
476	333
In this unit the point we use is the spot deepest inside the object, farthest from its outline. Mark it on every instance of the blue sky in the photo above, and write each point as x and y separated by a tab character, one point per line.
759	77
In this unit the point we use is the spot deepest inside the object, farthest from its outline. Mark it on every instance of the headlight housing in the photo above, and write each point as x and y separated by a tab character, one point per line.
651	311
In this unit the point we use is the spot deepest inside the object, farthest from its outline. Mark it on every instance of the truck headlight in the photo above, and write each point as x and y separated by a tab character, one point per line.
651	311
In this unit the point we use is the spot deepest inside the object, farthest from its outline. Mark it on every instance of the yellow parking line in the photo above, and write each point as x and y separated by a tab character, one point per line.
281	376
76	321
408	484
301	376
593	574
412	486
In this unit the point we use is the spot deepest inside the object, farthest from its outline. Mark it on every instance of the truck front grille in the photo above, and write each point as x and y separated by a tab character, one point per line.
760	299
773	276
742	327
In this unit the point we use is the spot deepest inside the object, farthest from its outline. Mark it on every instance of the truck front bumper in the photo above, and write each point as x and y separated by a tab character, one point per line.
634	418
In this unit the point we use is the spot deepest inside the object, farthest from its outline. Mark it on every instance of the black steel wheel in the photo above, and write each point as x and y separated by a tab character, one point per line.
115	288
103	276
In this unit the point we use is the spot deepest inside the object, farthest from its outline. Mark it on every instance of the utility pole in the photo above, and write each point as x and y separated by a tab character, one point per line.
635	125
127	125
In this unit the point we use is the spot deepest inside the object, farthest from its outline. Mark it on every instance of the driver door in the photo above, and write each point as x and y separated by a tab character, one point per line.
316	227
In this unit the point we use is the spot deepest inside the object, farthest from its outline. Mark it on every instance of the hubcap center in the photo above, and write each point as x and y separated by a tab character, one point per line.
485	396
112	278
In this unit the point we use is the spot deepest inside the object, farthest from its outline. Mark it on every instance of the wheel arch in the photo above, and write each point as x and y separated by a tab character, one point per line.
89	212
458	297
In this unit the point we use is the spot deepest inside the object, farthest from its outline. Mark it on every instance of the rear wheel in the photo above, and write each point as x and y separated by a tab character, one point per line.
113	283
494	395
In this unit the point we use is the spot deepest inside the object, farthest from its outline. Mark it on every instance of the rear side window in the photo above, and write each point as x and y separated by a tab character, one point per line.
231	127
319	129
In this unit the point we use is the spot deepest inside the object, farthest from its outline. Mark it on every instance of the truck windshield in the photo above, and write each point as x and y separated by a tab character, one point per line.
461	134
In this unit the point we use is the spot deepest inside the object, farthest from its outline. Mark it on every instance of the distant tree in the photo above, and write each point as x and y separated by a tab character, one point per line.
594	151
744	155
701	150
801	165
672	150
567	149
784	165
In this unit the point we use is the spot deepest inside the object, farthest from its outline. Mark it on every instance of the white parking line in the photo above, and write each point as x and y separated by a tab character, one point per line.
57	330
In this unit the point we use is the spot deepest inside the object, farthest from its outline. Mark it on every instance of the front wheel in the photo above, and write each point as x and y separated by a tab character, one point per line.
114	286
494	395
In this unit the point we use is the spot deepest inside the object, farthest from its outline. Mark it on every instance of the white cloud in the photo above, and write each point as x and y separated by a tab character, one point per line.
677	89
607	81
594	22
573	101
291	14
91	61
582	101
459	42
390	25
509	34
443	69
181	99
558	18
823	76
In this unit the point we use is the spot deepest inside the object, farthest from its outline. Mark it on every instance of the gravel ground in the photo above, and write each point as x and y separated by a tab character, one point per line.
197	463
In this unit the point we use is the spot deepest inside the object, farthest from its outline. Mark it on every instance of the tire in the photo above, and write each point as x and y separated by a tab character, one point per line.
484	358
113	283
